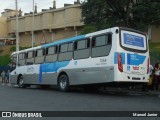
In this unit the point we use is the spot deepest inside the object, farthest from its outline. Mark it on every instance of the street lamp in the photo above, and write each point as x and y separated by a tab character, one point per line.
33	26
17	27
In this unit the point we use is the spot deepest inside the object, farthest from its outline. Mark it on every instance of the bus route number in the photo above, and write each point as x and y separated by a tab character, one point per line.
103	60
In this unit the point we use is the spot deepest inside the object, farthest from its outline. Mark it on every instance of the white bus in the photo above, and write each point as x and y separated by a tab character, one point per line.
114	55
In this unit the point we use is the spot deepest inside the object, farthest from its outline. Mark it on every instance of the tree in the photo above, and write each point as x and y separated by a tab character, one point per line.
146	13
137	14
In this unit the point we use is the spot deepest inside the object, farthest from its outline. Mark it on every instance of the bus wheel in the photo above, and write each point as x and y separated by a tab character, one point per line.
21	82
63	83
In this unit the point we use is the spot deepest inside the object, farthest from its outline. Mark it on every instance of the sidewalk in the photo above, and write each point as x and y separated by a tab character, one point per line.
1	82
137	91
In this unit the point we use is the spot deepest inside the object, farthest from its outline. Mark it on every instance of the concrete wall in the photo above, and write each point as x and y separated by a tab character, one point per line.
9	13
155	33
51	19
49	36
3	27
54	24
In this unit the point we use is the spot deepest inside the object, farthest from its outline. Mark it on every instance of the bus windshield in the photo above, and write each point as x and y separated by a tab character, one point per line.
133	41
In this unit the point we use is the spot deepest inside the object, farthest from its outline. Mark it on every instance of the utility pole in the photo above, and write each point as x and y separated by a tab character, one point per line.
17	27
33	26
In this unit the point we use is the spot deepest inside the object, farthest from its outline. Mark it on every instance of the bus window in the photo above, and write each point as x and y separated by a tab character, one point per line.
14	61
65	52
81	44
82	49
101	45
30	58
39	56
133	41
70	46
21	59
51	54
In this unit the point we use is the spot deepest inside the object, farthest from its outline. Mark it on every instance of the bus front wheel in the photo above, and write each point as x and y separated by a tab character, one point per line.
63	83
21	82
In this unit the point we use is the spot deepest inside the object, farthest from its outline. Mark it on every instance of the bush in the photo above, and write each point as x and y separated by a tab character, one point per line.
4	60
13	49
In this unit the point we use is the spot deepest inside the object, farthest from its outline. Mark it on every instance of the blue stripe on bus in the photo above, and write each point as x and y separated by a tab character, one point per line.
135	59
64	41
51	67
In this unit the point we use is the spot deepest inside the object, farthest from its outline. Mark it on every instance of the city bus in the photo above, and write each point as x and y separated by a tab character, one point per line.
110	56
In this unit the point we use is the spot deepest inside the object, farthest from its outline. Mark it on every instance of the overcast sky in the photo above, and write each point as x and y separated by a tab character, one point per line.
26	5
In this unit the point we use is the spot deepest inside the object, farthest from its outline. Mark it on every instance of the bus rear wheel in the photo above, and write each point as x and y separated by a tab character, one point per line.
21	82
63	83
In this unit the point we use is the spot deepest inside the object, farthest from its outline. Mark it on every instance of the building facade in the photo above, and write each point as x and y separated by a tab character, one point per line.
4	38
48	26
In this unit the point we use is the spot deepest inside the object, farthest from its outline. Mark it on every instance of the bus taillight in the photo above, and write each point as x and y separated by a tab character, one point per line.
148	63
120	65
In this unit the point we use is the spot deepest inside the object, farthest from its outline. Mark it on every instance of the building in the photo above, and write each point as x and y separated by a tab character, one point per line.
49	25
4	38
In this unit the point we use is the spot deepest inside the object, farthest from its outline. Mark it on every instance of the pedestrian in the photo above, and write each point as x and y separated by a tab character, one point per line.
151	74
156	78
7	76
3	76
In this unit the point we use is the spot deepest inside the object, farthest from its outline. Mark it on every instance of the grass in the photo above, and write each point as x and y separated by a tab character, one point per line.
154	47
4	60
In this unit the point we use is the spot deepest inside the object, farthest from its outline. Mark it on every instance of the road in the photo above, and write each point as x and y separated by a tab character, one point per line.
37	99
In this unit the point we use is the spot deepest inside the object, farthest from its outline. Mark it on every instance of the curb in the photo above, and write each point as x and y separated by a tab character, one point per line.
135	92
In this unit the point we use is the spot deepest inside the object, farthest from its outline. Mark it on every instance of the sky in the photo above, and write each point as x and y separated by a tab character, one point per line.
26	5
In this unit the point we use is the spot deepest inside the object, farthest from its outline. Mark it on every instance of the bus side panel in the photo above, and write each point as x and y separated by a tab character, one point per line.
13	79
49	78
90	75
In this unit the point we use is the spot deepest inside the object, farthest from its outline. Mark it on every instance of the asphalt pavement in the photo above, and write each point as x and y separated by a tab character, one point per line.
110	99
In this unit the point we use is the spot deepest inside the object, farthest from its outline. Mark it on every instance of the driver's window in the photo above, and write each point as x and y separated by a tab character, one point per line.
14	60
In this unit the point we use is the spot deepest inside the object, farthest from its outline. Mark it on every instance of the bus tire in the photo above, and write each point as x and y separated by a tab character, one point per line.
63	83
21	82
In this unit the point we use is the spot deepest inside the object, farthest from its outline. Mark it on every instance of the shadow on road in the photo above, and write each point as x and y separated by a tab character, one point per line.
107	91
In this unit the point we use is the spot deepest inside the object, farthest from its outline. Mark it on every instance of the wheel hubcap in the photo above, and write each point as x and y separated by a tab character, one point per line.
63	83
21	82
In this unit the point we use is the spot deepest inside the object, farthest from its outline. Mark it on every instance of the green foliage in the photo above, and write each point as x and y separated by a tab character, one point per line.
93	14
146	13
88	29
13	49
154	47
125	13
4	60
